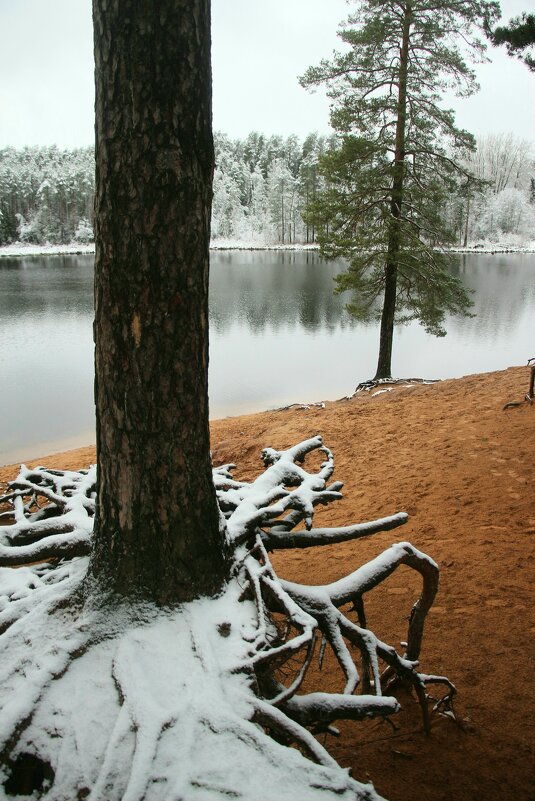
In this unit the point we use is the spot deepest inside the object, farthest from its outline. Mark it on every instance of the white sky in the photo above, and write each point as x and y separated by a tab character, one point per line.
259	49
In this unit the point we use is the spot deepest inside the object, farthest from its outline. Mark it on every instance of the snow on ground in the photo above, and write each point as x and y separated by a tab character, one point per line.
495	247
235	244
125	701
20	249
156	709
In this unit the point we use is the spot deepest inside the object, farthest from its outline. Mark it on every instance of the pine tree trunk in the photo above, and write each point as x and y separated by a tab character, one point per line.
386	337
157	533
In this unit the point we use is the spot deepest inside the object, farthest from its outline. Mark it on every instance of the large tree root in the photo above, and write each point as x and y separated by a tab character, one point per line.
107	700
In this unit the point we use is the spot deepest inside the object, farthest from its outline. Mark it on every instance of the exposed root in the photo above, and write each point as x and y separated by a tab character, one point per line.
251	650
50	516
382	384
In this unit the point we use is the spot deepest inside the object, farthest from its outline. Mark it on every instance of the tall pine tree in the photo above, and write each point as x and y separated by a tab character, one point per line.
396	160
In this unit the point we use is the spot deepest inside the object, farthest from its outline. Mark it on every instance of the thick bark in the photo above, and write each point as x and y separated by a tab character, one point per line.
157	533
384	363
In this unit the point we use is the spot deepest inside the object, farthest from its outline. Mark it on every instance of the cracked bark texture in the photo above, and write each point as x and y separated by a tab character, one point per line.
157	532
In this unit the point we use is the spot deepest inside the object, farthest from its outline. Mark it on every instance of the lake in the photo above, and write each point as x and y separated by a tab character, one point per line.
278	335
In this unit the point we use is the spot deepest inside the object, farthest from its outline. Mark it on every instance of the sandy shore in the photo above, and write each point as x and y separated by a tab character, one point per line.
465	471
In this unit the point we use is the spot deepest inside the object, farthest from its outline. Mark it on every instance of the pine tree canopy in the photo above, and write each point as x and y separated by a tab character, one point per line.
517	36
398	156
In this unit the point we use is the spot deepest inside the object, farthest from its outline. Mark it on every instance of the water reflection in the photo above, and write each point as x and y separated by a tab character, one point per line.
36	285
278	335
261	289
504	288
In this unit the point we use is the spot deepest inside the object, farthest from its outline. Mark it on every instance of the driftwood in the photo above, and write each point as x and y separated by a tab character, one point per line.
267	637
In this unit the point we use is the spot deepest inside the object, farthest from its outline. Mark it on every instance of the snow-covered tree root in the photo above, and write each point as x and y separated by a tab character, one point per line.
106	699
377	383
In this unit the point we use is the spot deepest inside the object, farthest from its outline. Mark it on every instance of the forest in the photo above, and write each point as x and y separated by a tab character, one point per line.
263	186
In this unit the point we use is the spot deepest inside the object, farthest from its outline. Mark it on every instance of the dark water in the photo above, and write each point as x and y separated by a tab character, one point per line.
278	335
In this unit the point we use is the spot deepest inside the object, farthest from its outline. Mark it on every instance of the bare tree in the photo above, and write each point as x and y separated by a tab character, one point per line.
503	160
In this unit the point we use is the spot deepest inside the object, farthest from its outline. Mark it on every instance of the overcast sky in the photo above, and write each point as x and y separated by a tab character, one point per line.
259	49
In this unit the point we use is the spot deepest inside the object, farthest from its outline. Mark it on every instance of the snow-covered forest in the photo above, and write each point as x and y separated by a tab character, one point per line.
46	195
262	187
503	209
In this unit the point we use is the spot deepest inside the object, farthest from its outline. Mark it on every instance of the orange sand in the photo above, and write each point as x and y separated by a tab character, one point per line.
464	470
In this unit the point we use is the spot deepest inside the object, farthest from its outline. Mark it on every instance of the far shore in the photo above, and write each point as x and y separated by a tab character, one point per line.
18	250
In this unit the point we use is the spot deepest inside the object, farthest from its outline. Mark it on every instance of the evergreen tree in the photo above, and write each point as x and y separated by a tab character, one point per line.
45	193
395	163
519	37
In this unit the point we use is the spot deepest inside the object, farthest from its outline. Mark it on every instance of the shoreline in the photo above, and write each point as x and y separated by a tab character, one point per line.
84	445
86	441
21	251
462	468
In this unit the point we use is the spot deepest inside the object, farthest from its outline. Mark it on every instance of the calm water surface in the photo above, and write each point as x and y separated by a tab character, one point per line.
278	335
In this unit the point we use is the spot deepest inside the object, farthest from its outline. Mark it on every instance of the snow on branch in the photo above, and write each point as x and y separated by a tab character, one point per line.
222	673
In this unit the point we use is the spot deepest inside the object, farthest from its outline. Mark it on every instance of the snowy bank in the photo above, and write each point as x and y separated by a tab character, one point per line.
234	244
20	249
490	248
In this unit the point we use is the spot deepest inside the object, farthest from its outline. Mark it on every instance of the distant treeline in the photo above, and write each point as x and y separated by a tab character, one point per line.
262	187
46	195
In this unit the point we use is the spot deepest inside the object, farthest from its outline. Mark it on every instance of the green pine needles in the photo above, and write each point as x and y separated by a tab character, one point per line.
398	157
519	37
